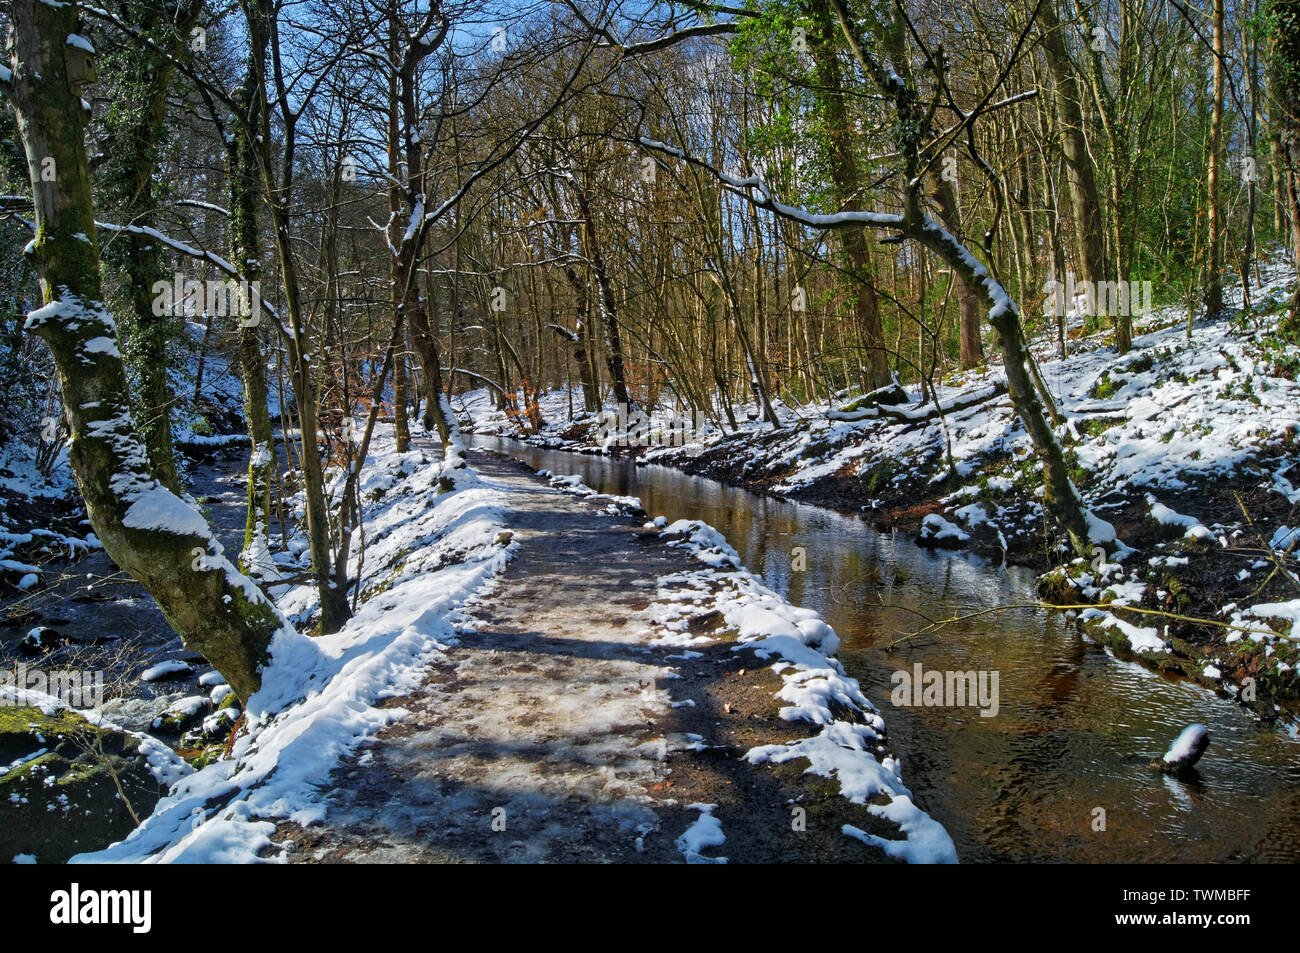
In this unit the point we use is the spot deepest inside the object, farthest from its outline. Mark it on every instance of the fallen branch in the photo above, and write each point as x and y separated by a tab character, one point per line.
936	624
929	411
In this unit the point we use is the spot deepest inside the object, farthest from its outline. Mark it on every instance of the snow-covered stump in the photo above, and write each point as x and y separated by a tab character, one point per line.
1184	752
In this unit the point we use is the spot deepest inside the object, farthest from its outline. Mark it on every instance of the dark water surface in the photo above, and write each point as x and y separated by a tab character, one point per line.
116	626
1075	726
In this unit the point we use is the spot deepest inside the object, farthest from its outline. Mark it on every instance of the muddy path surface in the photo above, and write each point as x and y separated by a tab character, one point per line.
557	731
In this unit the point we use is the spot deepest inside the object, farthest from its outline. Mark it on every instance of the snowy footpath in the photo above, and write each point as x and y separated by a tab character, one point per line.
535	672
621	691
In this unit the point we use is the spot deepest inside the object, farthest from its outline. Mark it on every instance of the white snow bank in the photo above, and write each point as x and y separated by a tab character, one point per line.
323	691
816	689
936	527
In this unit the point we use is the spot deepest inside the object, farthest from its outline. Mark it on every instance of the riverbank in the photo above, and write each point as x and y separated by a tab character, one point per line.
622	692
1187	448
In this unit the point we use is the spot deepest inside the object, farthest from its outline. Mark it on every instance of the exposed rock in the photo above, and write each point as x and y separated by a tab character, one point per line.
59	779
1185	751
182	714
215	728
42	639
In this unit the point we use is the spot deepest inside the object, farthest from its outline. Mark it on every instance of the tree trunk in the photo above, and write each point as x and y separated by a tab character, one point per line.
972	315
848	190
245	254
135	123
404	286
160	540
579	339
608	308
334	610
1074	145
1214	243
1117	151
1284	83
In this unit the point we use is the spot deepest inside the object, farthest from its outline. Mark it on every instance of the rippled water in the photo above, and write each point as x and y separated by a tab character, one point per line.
1075	726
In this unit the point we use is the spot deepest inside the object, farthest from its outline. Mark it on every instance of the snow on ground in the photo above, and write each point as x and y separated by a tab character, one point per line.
849	741
425	554
1160	417
816	690
704	833
1166	414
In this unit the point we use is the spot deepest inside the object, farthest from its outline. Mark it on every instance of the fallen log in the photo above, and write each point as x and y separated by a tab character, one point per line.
927	411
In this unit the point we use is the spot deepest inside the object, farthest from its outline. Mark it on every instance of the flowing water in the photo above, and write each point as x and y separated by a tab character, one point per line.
115	627
1075	727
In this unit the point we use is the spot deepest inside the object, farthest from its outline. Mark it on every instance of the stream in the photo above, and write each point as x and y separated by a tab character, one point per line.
1075	726
115	627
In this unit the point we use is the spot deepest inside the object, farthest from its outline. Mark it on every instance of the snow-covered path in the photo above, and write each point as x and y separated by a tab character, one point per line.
538	714
550	732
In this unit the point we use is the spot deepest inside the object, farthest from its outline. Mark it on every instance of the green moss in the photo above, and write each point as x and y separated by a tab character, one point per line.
18	726
1055	587
1141	364
66	800
1179	595
206	757
878	475
1096	426
816	448
1104	387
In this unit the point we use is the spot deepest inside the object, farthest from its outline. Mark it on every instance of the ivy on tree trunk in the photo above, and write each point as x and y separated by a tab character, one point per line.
159	539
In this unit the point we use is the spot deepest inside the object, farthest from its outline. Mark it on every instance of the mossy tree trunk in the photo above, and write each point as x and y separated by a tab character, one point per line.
1080	171
849	189
160	540
1113	111
245	254
135	125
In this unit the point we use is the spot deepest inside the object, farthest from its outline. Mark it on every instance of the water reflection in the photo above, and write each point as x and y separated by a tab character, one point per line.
1075	727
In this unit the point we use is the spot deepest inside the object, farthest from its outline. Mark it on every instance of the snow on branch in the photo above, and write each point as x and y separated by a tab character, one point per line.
203	255
755	190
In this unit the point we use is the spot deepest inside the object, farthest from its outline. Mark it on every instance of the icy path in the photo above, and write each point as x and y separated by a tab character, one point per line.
550	732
